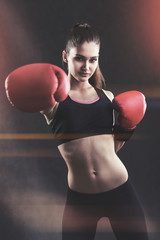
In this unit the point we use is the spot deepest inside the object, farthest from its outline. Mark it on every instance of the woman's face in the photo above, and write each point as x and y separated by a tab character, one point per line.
82	60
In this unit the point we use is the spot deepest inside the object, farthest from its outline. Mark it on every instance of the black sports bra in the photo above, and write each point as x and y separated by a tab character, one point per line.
74	120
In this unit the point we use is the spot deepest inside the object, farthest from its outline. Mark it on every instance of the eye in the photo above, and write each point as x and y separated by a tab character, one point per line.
93	60
79	59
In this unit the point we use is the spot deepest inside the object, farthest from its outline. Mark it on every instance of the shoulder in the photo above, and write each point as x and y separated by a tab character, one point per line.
109	94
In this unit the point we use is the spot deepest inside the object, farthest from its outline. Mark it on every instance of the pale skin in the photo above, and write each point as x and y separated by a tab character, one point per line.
93	165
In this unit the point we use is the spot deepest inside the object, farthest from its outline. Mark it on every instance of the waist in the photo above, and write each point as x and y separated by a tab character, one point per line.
93	164
97	181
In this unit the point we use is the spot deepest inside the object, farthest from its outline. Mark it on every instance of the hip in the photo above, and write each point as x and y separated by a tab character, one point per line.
123	194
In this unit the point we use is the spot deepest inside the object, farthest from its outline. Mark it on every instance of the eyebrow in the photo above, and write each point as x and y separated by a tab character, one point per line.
79	55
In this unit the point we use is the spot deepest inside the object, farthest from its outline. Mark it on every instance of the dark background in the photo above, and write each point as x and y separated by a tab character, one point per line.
32	173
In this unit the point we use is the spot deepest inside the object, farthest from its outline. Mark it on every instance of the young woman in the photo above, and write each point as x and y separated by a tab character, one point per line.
82	120
98	183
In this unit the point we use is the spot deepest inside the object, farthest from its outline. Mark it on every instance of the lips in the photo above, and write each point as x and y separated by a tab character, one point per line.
84	74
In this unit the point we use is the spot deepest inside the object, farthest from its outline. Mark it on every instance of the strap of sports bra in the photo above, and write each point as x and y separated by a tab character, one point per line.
100	92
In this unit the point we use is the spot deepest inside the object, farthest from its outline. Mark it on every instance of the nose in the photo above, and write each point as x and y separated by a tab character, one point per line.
85	66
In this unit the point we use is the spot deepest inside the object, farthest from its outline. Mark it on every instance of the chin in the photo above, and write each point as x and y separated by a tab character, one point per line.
83	79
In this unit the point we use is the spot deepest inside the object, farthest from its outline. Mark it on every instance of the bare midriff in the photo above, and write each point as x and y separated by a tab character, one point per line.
93	165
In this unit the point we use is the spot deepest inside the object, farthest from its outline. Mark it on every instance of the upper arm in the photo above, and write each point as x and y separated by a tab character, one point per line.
110	95
118	143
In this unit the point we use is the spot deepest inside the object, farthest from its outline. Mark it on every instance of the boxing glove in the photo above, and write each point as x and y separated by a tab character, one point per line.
131	107
36	87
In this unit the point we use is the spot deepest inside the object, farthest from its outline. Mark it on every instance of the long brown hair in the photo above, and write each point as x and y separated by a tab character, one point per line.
79	34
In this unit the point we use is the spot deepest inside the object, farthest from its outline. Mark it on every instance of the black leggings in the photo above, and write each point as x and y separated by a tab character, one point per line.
121	205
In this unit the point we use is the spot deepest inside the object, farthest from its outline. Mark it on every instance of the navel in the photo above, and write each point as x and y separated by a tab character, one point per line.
94	173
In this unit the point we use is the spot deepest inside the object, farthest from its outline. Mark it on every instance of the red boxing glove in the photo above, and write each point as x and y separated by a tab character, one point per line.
36	87
131	107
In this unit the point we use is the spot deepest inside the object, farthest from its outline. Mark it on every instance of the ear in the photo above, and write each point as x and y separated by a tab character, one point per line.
64	56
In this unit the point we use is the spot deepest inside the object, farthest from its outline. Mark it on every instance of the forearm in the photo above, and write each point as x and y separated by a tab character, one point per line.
49	113
118	145
121	136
